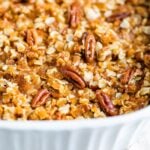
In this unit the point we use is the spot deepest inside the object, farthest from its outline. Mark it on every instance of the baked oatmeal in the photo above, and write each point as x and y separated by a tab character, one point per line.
64	59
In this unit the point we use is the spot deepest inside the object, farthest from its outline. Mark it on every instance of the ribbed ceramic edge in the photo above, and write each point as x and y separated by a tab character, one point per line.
112	133
100	138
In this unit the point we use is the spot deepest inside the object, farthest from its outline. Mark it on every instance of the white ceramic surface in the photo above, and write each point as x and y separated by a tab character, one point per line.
141	138
115	133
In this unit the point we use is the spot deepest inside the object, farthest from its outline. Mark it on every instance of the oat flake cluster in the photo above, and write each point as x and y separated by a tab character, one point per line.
64	59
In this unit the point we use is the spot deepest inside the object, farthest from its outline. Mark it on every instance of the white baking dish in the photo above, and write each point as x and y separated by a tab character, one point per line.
112	133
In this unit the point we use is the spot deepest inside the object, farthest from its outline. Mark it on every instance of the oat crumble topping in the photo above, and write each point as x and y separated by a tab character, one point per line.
65	59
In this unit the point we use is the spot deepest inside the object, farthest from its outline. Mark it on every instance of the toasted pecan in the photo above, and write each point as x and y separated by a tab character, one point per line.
41	98
126	76
106	104
89	42
70	74
74	14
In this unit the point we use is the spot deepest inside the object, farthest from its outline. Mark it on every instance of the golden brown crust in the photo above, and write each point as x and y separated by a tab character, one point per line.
89	57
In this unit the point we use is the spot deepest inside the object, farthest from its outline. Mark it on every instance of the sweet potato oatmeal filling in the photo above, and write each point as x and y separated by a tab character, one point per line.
64	59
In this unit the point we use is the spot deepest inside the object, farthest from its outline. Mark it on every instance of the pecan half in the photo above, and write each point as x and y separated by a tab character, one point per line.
31	37
106	104
126	76
89	42
118	16
71	75
74	14
41	98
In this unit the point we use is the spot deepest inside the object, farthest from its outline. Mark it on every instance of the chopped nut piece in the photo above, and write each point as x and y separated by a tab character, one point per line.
118	16
31	37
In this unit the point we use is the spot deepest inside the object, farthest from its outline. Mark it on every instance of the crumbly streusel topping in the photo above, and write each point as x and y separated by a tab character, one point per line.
64	59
